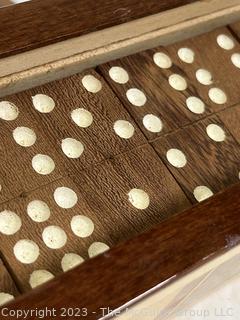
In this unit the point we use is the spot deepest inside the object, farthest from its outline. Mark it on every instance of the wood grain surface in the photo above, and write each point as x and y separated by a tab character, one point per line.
16	172
210	56
50	259
7	284
99	140
164	101
118	276
209	163
102	196
140	168
39	23
231	119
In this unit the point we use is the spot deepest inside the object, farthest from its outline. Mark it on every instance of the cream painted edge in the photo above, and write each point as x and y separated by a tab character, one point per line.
152	31
165	290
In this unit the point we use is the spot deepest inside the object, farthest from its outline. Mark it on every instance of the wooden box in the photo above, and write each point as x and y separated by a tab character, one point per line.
162	259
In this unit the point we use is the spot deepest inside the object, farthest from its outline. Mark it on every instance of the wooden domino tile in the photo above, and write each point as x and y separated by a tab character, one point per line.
210	52
24	141
100	193
204	157
142	169
97	107
155	101
41	209
97	137
176	101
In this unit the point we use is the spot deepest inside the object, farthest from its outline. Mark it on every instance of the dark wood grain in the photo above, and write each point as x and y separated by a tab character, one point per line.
50	259
118	276
38	23
209	163
162	100
17	175
99	139
165	102
113	179
102	196
231	119
22	184
210	56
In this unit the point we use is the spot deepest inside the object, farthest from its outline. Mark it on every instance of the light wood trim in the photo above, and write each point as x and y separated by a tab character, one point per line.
67	57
